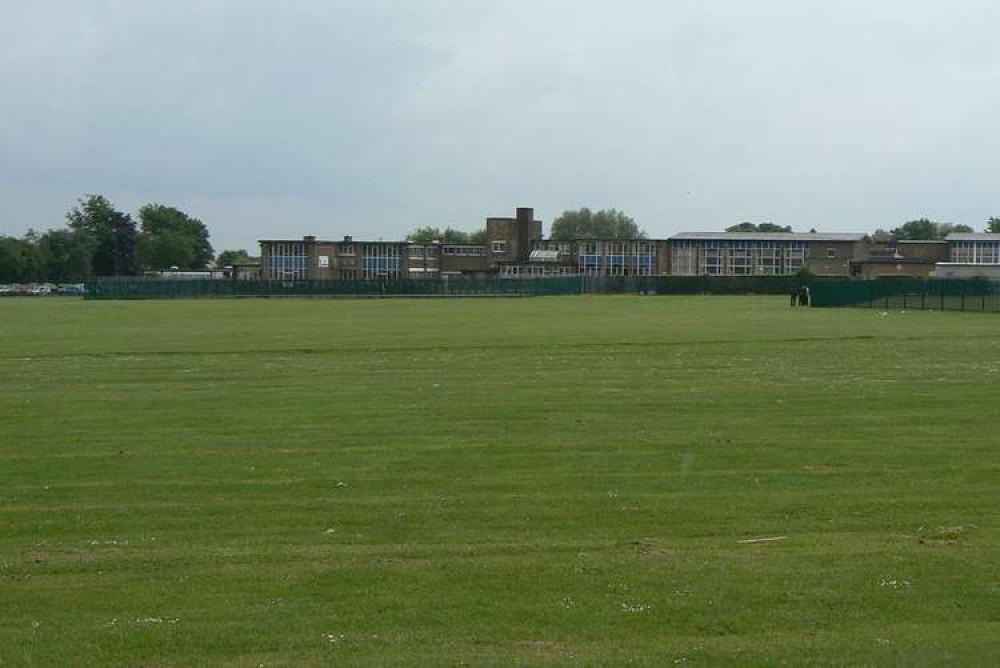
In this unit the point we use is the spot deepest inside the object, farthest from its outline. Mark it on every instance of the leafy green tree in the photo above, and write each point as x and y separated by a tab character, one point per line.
26	259
64	256
881	235
172	238
34	264
164	251
804	276
227	258
12	260
762	227
924	229
920	229
449	235
110	234
586	224
944	229
993	225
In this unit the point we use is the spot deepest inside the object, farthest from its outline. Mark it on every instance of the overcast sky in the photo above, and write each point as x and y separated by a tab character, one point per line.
371	117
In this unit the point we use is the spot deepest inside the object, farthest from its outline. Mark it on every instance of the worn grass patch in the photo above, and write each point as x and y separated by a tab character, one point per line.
555	481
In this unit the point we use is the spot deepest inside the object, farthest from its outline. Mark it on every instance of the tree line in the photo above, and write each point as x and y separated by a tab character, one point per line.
100	240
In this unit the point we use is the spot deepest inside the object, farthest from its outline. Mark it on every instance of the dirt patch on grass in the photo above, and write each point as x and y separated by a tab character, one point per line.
946	535
402	562
550	647
647	548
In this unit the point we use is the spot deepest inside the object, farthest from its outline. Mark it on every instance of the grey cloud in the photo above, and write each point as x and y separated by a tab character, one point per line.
270	119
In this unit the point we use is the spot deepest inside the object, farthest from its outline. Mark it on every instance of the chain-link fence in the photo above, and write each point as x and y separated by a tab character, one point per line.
154	288
973	294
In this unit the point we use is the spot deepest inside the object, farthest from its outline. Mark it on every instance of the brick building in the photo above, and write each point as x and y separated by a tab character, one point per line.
508	240
896	259
765	254
971	255
514	248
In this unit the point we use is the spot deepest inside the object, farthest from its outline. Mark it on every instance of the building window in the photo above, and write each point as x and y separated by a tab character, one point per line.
323	261
381	261
590	265
287	262
463	251
739	262
831	252
989	253
499	247
347	249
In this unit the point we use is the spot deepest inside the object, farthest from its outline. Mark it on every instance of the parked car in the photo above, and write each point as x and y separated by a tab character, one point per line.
71	289
6	290
41	290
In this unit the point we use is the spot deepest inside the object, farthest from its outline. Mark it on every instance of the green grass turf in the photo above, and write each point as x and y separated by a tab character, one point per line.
480	482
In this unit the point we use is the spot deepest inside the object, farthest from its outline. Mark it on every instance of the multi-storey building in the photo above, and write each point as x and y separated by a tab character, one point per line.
971	255
974	248
515	248
592	257
312	259
508	240
765	254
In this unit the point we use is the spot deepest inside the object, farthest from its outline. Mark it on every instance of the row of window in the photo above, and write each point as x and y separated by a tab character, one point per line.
732	262
595	260
615	270
616	248
464	251
740	244
535	271
975	252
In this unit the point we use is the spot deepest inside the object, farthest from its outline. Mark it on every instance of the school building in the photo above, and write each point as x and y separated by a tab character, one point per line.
765	254
514	248
971	255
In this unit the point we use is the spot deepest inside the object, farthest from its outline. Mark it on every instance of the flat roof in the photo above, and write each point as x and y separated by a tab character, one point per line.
973	236
300	240
968	264
896	260
767	236
635	240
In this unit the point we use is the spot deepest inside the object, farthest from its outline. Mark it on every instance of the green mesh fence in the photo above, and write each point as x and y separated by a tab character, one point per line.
690	285
153	288
973	294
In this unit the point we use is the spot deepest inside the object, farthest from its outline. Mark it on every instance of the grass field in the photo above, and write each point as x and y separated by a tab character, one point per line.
479	482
